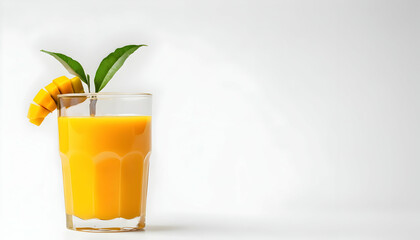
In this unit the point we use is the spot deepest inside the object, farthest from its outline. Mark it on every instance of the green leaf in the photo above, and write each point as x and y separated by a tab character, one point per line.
88	80
110	65
71	65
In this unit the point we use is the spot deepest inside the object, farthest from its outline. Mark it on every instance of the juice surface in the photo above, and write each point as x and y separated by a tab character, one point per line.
105	163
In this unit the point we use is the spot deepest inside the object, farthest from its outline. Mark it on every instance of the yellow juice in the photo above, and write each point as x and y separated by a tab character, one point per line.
105	164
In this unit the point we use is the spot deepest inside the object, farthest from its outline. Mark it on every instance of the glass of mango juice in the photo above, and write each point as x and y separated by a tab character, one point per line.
105	146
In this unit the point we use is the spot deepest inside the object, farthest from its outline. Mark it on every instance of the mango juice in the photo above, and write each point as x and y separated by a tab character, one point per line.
105	163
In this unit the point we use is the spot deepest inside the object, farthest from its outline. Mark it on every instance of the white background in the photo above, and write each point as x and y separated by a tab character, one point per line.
272	119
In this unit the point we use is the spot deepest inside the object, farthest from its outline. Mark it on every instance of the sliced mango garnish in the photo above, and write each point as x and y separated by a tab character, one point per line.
47	101
36	121
36	111
63	84
77	85
53	91
44	99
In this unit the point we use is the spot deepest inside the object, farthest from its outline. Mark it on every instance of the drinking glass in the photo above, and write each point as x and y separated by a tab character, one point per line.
105	146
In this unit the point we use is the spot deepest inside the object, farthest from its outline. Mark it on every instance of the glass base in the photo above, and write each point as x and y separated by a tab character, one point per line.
97	225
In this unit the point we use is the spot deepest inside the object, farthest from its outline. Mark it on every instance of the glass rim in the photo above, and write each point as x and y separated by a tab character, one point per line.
106	94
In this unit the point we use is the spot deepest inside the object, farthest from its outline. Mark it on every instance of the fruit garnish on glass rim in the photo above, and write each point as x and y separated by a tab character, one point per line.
46	100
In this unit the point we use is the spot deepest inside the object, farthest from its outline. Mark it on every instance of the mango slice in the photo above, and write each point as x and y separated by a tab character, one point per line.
47	101
36	121
77	85
44	99
77	88
36	111
63	84
53	91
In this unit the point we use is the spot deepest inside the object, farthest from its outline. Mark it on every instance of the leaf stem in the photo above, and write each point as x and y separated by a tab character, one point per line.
92	105
88	82
92	99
